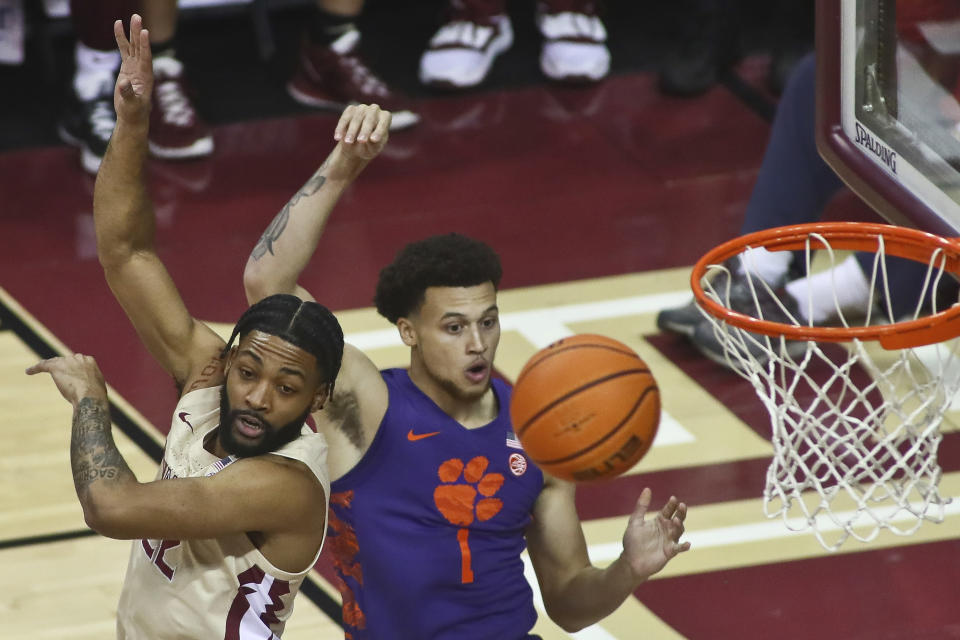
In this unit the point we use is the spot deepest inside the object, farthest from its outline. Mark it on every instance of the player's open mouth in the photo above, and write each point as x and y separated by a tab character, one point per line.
249	426
477	372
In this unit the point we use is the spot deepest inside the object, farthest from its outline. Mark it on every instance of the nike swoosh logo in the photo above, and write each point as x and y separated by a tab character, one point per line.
413	437
183	417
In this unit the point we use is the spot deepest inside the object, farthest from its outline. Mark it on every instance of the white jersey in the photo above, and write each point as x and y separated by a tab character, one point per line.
214	588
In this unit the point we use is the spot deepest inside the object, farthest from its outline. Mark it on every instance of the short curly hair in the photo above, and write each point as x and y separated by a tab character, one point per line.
449	260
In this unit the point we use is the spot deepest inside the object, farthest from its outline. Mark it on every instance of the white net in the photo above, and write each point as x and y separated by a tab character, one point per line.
855	428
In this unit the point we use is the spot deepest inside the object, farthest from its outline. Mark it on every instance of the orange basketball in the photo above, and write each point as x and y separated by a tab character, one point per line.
585	408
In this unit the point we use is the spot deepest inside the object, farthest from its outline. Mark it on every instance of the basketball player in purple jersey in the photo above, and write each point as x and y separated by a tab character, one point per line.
433	500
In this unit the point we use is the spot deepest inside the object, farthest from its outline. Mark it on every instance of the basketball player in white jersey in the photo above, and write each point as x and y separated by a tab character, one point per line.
236	517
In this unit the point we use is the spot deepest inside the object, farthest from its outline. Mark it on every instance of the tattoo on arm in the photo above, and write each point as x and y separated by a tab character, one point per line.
265	244
93	454
279	223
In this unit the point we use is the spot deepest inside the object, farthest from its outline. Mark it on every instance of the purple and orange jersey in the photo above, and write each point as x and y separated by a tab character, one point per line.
427	529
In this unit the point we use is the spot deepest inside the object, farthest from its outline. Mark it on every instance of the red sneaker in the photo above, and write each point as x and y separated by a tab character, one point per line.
176	131
333	77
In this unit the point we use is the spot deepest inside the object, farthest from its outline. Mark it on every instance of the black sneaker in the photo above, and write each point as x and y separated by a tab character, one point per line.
88	124
683	320
753	346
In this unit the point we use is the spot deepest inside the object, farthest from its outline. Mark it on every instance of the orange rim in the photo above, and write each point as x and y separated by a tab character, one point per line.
902	242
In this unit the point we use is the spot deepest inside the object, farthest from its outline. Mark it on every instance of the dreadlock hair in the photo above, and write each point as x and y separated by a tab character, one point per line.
450	260
307	325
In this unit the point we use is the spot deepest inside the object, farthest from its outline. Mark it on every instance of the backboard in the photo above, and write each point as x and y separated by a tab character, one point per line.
888	116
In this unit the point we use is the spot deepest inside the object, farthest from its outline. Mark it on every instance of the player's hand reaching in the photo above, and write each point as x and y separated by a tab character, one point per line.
648	544
363	131
131	97
77	377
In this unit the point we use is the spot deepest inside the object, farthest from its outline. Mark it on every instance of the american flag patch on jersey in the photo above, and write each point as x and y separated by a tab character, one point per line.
512	441
220	464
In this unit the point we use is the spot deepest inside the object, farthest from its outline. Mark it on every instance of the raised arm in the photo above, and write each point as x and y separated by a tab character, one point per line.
577	594
289	242
124	221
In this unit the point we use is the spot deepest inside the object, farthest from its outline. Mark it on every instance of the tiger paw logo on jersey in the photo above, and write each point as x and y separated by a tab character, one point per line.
458	503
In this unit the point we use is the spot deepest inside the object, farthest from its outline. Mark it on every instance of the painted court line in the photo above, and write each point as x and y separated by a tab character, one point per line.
548	324
751	532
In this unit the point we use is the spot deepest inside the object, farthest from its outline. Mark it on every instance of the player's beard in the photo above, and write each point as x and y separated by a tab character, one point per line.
273	438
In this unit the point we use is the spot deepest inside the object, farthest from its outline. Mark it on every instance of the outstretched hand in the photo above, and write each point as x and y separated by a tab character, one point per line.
131	97
649	544
363	131
77	377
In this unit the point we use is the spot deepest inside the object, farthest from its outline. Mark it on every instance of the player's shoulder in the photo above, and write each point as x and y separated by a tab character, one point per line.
276	469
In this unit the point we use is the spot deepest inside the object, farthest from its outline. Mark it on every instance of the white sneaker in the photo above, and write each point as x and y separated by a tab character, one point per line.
461	52
574	46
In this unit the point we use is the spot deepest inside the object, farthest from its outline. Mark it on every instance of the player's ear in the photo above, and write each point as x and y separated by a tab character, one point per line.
320	398
228	361
407	332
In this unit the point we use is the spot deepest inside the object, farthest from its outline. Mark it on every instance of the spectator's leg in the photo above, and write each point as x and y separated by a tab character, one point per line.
793	186
88	118
331	72
905	279
176	129
93	21
332	19
843	287
794	183
160	18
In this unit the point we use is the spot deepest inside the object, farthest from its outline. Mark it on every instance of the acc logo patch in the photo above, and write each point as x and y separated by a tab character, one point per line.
518	464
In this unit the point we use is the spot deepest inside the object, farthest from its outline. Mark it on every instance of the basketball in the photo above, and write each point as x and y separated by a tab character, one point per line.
585	408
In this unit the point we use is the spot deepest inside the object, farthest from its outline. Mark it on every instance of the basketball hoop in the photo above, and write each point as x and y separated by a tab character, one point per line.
855	409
